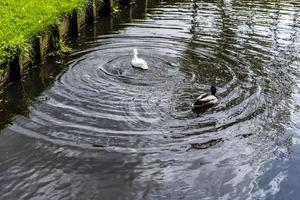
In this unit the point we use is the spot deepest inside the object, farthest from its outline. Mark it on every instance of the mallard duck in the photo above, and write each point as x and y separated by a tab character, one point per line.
206	100
138	62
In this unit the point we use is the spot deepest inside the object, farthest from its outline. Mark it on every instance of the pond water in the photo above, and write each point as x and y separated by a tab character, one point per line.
89	126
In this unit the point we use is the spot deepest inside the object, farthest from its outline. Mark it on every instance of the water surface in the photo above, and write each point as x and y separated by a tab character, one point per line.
89	126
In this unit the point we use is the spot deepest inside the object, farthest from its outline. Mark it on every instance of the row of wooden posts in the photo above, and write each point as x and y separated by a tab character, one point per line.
49	42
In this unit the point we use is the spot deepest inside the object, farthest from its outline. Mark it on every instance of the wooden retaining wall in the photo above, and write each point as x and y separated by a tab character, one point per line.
49	41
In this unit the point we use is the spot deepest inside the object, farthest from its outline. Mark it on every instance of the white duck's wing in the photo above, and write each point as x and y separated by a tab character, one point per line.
139	63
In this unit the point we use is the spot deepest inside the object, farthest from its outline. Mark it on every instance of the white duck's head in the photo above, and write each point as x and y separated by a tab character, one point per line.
135	53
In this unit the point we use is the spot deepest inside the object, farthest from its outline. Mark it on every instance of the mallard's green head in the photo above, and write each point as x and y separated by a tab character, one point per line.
213	90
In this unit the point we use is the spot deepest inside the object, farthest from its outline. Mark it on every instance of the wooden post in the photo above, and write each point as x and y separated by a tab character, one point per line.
14	69
130	11
38	56
125	2
91	12
73	24
107	7
54	44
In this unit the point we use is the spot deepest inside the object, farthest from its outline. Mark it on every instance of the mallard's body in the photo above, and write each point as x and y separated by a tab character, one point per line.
138	62
206	100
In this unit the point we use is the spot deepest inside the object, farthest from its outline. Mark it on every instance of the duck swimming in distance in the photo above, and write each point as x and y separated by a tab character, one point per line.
205	101
138	62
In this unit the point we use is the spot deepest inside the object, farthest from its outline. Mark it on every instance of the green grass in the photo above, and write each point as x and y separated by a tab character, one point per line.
22	20
1	74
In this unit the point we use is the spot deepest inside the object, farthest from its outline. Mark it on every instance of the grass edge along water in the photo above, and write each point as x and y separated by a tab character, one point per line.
22	20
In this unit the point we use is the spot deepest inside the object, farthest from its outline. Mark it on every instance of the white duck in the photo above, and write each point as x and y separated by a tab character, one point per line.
138	62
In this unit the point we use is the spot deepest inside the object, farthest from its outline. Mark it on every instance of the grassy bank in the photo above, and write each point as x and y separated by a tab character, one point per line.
21	20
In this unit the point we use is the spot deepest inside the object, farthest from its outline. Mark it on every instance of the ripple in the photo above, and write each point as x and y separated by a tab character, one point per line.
100	103
102	98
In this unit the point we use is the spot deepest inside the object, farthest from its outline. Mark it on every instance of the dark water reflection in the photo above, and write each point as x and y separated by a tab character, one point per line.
98	129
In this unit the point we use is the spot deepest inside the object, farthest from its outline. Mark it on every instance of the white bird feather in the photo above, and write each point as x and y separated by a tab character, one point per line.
138	62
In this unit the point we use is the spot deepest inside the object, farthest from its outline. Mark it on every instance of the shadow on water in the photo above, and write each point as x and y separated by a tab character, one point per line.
16	99
89	126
